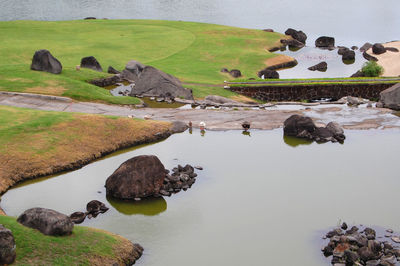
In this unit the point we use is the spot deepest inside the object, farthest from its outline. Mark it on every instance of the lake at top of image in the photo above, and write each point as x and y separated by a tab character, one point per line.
262	199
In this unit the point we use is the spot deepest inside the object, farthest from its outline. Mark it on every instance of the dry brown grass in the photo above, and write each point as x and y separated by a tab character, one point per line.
278	60
71	144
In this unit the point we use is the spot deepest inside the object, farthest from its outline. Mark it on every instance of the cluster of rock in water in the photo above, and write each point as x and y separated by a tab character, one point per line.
361	247
145	176
303	127
93	208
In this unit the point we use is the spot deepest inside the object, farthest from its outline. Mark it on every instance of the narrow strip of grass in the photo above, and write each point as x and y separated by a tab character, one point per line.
36	143
80	248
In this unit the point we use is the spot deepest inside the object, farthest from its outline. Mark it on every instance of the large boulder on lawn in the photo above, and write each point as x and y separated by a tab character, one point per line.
236	73
44	61
7	246
325	42
132	70
390	98
153	82
297	35
47	221
139	177
378	48
323	66
91	63
268	74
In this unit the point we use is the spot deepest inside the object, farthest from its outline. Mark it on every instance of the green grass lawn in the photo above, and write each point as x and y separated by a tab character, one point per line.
194	52
80	248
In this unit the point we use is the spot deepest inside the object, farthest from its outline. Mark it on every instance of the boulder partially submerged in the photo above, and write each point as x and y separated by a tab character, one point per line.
390	98
47	221
297	35
153	82
322	67
325	42
303	127
43	60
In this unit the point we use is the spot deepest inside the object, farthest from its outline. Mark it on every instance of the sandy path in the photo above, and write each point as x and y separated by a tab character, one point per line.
219	119
390	61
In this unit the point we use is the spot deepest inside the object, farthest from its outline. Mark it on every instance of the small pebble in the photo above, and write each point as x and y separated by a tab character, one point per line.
396	239
198	167
389	231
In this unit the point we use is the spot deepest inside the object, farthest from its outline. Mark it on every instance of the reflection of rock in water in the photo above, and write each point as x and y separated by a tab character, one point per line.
148	207
246	133
294	142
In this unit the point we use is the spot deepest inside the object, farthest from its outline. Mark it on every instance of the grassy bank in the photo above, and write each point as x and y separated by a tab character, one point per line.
36	143
194	52
85	246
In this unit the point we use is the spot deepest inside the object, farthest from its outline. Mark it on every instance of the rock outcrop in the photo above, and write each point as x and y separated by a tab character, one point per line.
348	55
153	82
112	70
91	63
325	42
297	35
365	47
47	221
43	60
303	127
378	48
132	70
390	98
292	43
139	177
7	246
323	66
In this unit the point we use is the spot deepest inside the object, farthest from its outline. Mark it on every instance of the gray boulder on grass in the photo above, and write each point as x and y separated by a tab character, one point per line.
153	82
91	63
390	98
44	61
47	221
7	246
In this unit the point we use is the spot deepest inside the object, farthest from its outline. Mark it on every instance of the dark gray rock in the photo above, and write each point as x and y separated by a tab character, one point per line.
325	42
365	47
95	207
104	82
349	55
112	70
322	67
224	70
155	83
91	63
43	60
268	74
342	50
47	221
392	49
178	126
132	70
358	74
378	48
335	127
338	134
78	217
292	43
390	98
369	57
351	257
7	246
235	73
297	35
139	177
370	233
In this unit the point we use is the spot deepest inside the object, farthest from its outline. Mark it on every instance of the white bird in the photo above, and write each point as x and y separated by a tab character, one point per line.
202	125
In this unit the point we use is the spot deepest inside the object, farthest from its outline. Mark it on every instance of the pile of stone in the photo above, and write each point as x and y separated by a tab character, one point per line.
356	247
303	127
93	208
181	178
145	176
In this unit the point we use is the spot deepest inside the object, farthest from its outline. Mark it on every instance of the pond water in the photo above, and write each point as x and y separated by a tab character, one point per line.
260	200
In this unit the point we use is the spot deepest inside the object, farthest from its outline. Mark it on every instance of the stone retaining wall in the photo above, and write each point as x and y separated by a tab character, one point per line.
312	92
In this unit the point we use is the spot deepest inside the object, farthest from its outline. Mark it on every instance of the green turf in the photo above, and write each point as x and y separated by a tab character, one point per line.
194	52
34	248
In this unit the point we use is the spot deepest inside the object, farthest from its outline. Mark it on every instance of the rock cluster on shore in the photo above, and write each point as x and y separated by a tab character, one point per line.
355	247
93	208
181	178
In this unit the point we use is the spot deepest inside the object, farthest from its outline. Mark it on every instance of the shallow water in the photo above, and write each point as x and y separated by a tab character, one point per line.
350	22
260	200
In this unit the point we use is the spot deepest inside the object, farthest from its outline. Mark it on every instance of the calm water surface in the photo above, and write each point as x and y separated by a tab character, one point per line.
257	198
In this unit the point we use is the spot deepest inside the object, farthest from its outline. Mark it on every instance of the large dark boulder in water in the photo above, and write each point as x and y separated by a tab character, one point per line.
378	48
155	83
139	177
365	47
44	61
325	42
348	55
91	63
47	221
303	127
323	66
7	246
297	35
390	98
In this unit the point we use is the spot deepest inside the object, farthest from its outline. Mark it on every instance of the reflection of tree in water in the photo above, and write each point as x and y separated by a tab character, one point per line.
294	142
148	207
